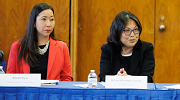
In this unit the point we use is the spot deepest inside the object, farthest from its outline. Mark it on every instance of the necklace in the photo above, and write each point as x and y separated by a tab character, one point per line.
42	51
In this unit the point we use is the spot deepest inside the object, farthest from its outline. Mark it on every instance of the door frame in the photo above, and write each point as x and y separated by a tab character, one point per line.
73	35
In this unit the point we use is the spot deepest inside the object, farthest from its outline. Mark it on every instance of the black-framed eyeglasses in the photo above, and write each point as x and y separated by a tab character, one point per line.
129	31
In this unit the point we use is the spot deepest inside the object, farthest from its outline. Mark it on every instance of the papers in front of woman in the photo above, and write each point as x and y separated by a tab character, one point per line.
177	86
102	83
49	82
81	85
86	85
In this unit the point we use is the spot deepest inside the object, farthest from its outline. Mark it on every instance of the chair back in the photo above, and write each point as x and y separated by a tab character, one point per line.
2	62
4	65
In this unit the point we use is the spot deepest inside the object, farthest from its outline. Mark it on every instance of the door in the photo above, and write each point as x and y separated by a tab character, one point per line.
167	41
95	17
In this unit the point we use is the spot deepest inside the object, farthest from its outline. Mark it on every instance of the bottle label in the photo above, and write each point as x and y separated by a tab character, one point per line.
92	82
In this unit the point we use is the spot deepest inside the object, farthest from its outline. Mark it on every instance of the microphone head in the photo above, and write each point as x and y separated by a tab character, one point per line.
1	54
1	57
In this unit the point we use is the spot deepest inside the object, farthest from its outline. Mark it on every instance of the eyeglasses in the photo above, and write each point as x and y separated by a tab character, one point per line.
129	31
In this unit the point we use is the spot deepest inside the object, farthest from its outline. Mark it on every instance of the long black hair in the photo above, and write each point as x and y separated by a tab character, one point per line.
118	24
29	43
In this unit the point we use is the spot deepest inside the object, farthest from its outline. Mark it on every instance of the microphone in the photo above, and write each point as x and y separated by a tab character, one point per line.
1	57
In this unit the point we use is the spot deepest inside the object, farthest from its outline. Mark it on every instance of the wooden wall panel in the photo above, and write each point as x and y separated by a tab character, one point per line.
95	17
14	18
167	42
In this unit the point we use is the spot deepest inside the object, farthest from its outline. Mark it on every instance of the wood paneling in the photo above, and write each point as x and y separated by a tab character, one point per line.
94	20
95	17
74	36
14	18
167	42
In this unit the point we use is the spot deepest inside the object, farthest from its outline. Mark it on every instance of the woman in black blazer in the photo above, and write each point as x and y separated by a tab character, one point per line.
125	54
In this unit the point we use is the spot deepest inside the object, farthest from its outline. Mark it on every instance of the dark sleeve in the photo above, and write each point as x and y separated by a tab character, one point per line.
105	63
148	63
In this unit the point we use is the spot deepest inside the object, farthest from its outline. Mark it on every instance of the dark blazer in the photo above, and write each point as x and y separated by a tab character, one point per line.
142	61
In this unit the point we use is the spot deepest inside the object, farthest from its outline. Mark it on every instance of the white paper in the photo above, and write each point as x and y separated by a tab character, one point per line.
126	82
81	85
177	86
102	83
29	80
49	82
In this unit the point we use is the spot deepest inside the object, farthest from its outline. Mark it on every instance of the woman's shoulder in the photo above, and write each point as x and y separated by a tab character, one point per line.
146	44
16	43
60	43
109	46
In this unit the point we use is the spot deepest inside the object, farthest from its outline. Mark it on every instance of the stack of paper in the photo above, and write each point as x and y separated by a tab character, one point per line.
81	85
177	86
49	82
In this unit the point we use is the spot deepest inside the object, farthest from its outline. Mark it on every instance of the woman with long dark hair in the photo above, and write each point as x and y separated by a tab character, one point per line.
39	51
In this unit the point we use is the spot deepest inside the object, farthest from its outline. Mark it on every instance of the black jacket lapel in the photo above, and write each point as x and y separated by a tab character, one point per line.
134	61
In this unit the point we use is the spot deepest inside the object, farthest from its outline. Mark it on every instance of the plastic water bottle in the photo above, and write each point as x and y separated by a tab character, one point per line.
1	70
92	79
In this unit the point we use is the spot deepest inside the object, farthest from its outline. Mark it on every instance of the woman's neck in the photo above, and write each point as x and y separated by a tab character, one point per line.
43	41
126	50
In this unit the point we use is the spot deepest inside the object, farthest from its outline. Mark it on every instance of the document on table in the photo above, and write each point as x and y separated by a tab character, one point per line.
49	82
177	86
126	82
103	83
81	85
30	80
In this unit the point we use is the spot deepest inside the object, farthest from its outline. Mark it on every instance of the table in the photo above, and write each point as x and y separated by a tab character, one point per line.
172	94
67	91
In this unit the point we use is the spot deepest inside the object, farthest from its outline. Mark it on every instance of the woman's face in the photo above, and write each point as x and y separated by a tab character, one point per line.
45	23
130	34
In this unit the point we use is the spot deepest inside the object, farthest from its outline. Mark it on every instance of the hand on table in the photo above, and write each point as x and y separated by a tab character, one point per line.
122	72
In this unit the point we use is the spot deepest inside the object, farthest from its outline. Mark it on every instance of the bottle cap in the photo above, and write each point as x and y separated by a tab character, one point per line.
92	71
1	67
